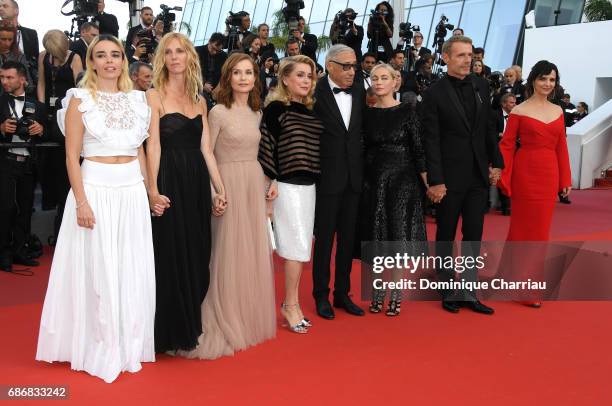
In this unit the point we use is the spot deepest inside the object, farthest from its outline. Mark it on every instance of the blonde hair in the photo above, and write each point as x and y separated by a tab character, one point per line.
90	78
193	72
281	93
56	44
386	66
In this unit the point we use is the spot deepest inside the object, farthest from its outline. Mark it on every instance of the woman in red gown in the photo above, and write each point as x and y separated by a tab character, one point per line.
539	168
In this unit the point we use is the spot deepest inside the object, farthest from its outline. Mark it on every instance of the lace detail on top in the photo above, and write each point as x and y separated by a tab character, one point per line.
118	112
115	123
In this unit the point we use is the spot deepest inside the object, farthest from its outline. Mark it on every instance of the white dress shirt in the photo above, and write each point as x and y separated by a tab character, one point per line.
19	110
344	102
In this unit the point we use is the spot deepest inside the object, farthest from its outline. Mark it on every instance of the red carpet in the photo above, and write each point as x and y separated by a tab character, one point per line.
556	355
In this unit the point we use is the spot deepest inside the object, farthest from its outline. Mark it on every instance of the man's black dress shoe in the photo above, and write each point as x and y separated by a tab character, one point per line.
347	304
478	307
6	267
452	307
19	260
324	309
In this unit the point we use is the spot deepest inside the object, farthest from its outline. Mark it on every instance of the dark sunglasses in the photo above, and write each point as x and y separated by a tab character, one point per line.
348	66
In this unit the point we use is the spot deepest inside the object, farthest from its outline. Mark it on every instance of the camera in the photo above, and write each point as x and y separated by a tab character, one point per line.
25	121
407	30
291	12
85	8
344	23
23	125
146	37
234	19
443	27
167	17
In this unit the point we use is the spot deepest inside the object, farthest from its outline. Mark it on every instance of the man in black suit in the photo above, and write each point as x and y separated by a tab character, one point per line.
340	104
27	38
146	18
17	165
462	160
507	102
308	42
243	31
212	57
417	51
88	31
352	37
107	23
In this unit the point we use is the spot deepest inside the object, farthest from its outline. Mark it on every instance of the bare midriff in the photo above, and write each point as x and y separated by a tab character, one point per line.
112	159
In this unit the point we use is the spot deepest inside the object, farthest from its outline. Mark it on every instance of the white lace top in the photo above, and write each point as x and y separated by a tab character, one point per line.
116	124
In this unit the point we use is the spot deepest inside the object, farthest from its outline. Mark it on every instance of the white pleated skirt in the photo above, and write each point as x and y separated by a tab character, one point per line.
99	308
293	216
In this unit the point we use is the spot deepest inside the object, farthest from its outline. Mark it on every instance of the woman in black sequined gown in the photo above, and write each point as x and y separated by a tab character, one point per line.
392	196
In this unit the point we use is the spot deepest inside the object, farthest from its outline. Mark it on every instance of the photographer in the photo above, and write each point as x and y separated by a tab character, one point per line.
345	31
252	47
380	31
417	50
212	57
367	63
9	51
20	121
478	55
308	43
87	32
263	32
268	72
26	38
236	30
107	23
145	28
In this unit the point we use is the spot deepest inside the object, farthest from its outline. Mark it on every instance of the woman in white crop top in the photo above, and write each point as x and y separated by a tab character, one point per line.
100	304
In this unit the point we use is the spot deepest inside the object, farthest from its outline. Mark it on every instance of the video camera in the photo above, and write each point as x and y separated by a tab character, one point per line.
167	17
83	11
345	21
442	28
291	12
407	30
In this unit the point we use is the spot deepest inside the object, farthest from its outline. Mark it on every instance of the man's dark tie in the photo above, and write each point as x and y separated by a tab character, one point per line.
348	90
505	117
20	98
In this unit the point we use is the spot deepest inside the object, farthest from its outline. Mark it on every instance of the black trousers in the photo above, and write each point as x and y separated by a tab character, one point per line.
470	205
335	214
16	202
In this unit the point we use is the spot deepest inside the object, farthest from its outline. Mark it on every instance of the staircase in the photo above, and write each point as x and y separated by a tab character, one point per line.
605	182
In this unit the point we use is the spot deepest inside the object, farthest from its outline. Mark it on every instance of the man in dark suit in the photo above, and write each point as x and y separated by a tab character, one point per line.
88	31
17	164
212	57
352	37
27	38
308	42
243	32
507	102
146	18
107	23
340	104
461	146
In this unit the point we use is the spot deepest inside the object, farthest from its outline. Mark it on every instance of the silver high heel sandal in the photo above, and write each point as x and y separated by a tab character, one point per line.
296	328
305	322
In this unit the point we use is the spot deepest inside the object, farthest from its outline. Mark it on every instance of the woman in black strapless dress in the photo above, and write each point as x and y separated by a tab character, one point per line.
179	184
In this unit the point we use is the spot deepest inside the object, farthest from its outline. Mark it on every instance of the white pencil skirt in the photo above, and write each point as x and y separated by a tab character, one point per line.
293	217
99	308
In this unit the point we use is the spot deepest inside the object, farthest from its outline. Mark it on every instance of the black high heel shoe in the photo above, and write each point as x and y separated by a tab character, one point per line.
378	300
395	303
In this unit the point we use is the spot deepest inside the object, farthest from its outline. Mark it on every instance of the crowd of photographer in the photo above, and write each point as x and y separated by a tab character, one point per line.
34	83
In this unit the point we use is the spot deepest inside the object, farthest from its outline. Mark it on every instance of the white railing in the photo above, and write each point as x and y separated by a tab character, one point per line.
590	146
